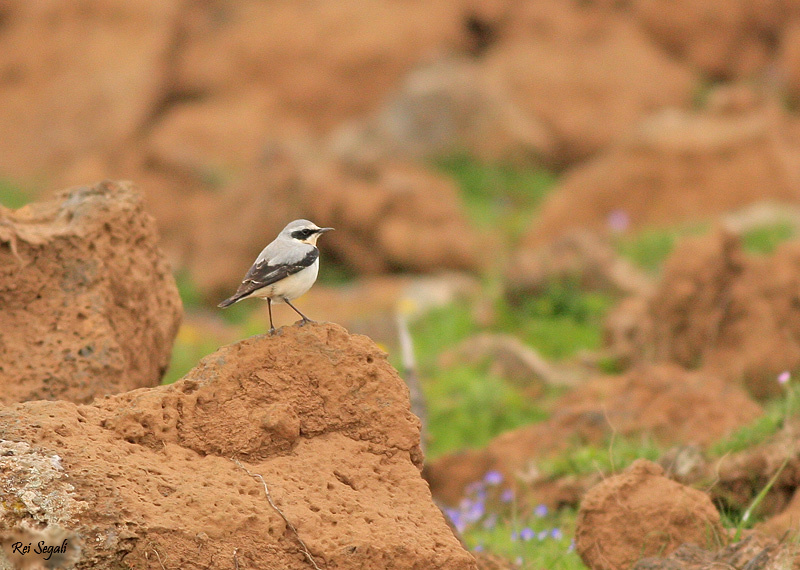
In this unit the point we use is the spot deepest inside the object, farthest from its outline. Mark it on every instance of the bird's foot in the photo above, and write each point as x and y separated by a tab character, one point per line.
304	321
271	331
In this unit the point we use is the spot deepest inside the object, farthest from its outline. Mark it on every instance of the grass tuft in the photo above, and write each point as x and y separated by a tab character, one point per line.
498	196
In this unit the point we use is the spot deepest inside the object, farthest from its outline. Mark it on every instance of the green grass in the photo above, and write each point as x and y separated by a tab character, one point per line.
12	195
191	345
649	248
762	428
491	519
468	406
188	291
617	454
543	550
763	240
558	323
498	196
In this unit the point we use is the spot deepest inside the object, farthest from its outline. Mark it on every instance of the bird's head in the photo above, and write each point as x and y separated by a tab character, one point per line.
303	231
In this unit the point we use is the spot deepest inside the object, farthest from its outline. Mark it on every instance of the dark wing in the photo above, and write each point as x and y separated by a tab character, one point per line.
262	274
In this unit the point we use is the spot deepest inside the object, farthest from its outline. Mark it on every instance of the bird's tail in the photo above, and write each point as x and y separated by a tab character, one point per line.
228	302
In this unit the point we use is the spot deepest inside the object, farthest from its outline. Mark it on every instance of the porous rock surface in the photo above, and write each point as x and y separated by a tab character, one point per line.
90	306
178	474
640	513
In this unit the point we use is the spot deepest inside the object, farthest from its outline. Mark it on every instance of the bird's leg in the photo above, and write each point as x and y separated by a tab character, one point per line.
269	307
305	318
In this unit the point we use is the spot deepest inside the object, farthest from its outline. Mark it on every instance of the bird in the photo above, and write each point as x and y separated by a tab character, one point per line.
284	270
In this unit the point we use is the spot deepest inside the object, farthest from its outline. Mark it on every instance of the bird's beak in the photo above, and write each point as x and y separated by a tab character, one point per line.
323	230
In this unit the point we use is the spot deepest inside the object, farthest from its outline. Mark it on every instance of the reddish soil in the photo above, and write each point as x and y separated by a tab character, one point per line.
90	306
640	513
316	412
720	309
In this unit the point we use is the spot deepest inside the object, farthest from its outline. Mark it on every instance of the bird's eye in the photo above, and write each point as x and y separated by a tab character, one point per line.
302	234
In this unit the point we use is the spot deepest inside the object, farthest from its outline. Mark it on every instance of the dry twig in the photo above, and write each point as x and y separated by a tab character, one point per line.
272	504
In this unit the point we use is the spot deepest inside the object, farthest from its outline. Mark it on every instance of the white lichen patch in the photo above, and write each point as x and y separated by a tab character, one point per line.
33	485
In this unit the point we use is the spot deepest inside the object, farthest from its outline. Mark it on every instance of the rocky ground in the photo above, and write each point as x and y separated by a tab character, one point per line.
581	218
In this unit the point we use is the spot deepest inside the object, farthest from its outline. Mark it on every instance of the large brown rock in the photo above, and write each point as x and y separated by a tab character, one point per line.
442	108
586	71
723	39
718	308
530	94
90	306
79	78
640	513
676	167
313	416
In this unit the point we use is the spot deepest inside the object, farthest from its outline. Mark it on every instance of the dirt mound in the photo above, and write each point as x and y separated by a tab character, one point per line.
716	307
442	108
640	513
525	95
664	402
61	99
397	215
542	66
677	167
723	39
274	445
580	257
89	304
787	521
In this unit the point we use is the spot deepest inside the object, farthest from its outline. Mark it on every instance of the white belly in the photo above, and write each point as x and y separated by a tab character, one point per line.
292	286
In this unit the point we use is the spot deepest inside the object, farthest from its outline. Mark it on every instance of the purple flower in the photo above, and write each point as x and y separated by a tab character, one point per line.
478	548
493	478
456	518
571	546
526	534
540	511
475	511
514	536
784	377
490	522
556	534
507	495
618	221
543	535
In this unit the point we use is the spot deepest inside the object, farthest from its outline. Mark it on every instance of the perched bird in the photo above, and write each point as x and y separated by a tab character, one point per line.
284	270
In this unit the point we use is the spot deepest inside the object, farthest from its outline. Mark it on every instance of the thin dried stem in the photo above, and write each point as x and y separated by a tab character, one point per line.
272	504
